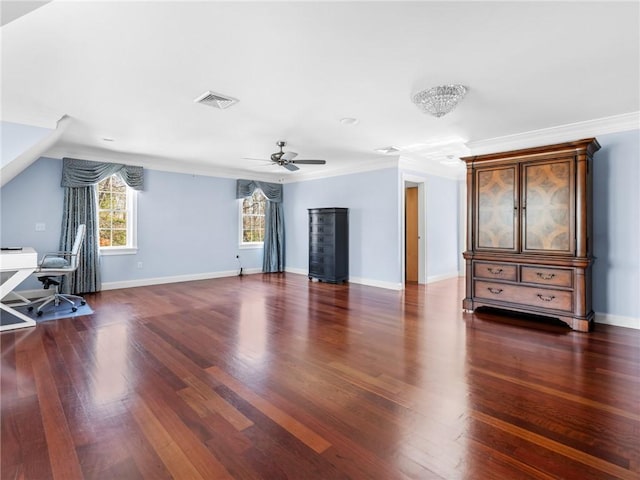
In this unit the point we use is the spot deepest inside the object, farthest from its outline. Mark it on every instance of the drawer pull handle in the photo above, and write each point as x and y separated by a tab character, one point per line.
495	291
495	271
545	276
546	298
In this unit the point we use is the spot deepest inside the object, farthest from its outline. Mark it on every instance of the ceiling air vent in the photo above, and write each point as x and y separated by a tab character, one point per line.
216	100
388	150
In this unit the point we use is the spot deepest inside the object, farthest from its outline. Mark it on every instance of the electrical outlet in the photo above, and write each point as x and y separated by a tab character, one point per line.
40	227
139	264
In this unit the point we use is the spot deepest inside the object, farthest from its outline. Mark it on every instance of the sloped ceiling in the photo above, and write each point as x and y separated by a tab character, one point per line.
10	10
127	74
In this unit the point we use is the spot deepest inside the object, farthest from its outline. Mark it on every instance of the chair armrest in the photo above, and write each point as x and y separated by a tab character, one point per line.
66	256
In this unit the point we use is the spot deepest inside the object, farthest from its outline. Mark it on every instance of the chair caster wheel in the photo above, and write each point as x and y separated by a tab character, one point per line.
30	309
74	309
39	313
83	303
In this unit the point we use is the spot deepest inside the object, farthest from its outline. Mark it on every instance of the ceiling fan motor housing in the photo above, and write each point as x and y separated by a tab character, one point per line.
275	157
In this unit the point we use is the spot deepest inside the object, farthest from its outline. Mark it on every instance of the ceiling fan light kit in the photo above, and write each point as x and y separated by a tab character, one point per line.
439	101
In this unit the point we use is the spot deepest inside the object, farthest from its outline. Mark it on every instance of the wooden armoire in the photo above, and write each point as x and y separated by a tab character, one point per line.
529	233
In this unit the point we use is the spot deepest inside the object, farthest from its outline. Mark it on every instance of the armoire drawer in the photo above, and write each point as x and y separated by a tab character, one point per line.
321	268
524	295
558	277
321	228
321	247
495	271
323	258
322	220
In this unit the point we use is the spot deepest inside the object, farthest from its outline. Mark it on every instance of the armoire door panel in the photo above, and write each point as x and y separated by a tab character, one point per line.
497	219
548	207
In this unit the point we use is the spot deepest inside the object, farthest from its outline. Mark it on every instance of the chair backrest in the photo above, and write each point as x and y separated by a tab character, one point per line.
77	245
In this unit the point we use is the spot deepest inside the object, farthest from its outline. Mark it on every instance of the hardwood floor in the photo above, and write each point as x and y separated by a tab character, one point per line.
271	376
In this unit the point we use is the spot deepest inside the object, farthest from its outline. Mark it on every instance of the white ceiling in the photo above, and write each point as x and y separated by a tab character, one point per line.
130	71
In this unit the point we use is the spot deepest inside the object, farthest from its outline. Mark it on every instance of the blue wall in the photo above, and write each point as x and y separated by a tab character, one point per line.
616	225
372	200
443	253
34	196
187	224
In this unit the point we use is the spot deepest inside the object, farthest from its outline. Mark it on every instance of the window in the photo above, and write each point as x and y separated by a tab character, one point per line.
116	216
252	210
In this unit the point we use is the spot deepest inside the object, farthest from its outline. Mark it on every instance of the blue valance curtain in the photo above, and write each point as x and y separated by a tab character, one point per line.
273	258
80	206
82	173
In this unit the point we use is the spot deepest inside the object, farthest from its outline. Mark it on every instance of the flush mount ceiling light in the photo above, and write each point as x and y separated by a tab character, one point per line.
349	121
439	101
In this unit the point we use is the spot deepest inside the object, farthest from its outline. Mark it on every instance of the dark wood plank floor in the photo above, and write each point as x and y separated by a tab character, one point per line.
271	376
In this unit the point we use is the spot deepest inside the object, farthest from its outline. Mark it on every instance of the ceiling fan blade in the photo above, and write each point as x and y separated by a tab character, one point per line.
309	162
256	159
288	156
290	167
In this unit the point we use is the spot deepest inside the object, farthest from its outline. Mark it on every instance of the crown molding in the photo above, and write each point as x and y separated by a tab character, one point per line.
420	165
558	134
377	164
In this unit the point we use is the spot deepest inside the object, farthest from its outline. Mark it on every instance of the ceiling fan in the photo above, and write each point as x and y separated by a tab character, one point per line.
286	159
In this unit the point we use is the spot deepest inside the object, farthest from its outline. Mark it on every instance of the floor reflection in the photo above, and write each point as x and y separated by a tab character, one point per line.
252	330
111	365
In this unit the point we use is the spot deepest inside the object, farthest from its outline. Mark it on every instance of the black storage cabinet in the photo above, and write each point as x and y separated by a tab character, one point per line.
329	244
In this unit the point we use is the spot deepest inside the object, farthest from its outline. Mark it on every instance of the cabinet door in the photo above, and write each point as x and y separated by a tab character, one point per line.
548	218
496	223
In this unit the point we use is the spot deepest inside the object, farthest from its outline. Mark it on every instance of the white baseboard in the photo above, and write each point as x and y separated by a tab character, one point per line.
376	283
362	281
444	276
145	282
617	320
297	271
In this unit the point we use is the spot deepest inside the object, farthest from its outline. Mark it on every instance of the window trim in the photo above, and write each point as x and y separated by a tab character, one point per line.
246	245
132	227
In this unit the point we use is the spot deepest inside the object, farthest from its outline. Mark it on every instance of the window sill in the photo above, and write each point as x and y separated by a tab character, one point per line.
247	246
118	251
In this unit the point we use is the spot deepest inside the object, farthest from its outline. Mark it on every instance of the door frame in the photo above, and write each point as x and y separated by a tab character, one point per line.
414	181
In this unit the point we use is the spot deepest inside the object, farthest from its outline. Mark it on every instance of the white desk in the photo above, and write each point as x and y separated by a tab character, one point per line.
22	263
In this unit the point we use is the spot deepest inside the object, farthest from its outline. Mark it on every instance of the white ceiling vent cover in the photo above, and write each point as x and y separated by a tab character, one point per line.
216	100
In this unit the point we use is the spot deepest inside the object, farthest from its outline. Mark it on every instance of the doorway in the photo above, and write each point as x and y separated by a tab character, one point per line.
413	230
411	235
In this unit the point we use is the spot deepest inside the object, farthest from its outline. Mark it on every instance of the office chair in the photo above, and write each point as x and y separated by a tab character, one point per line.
51	270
